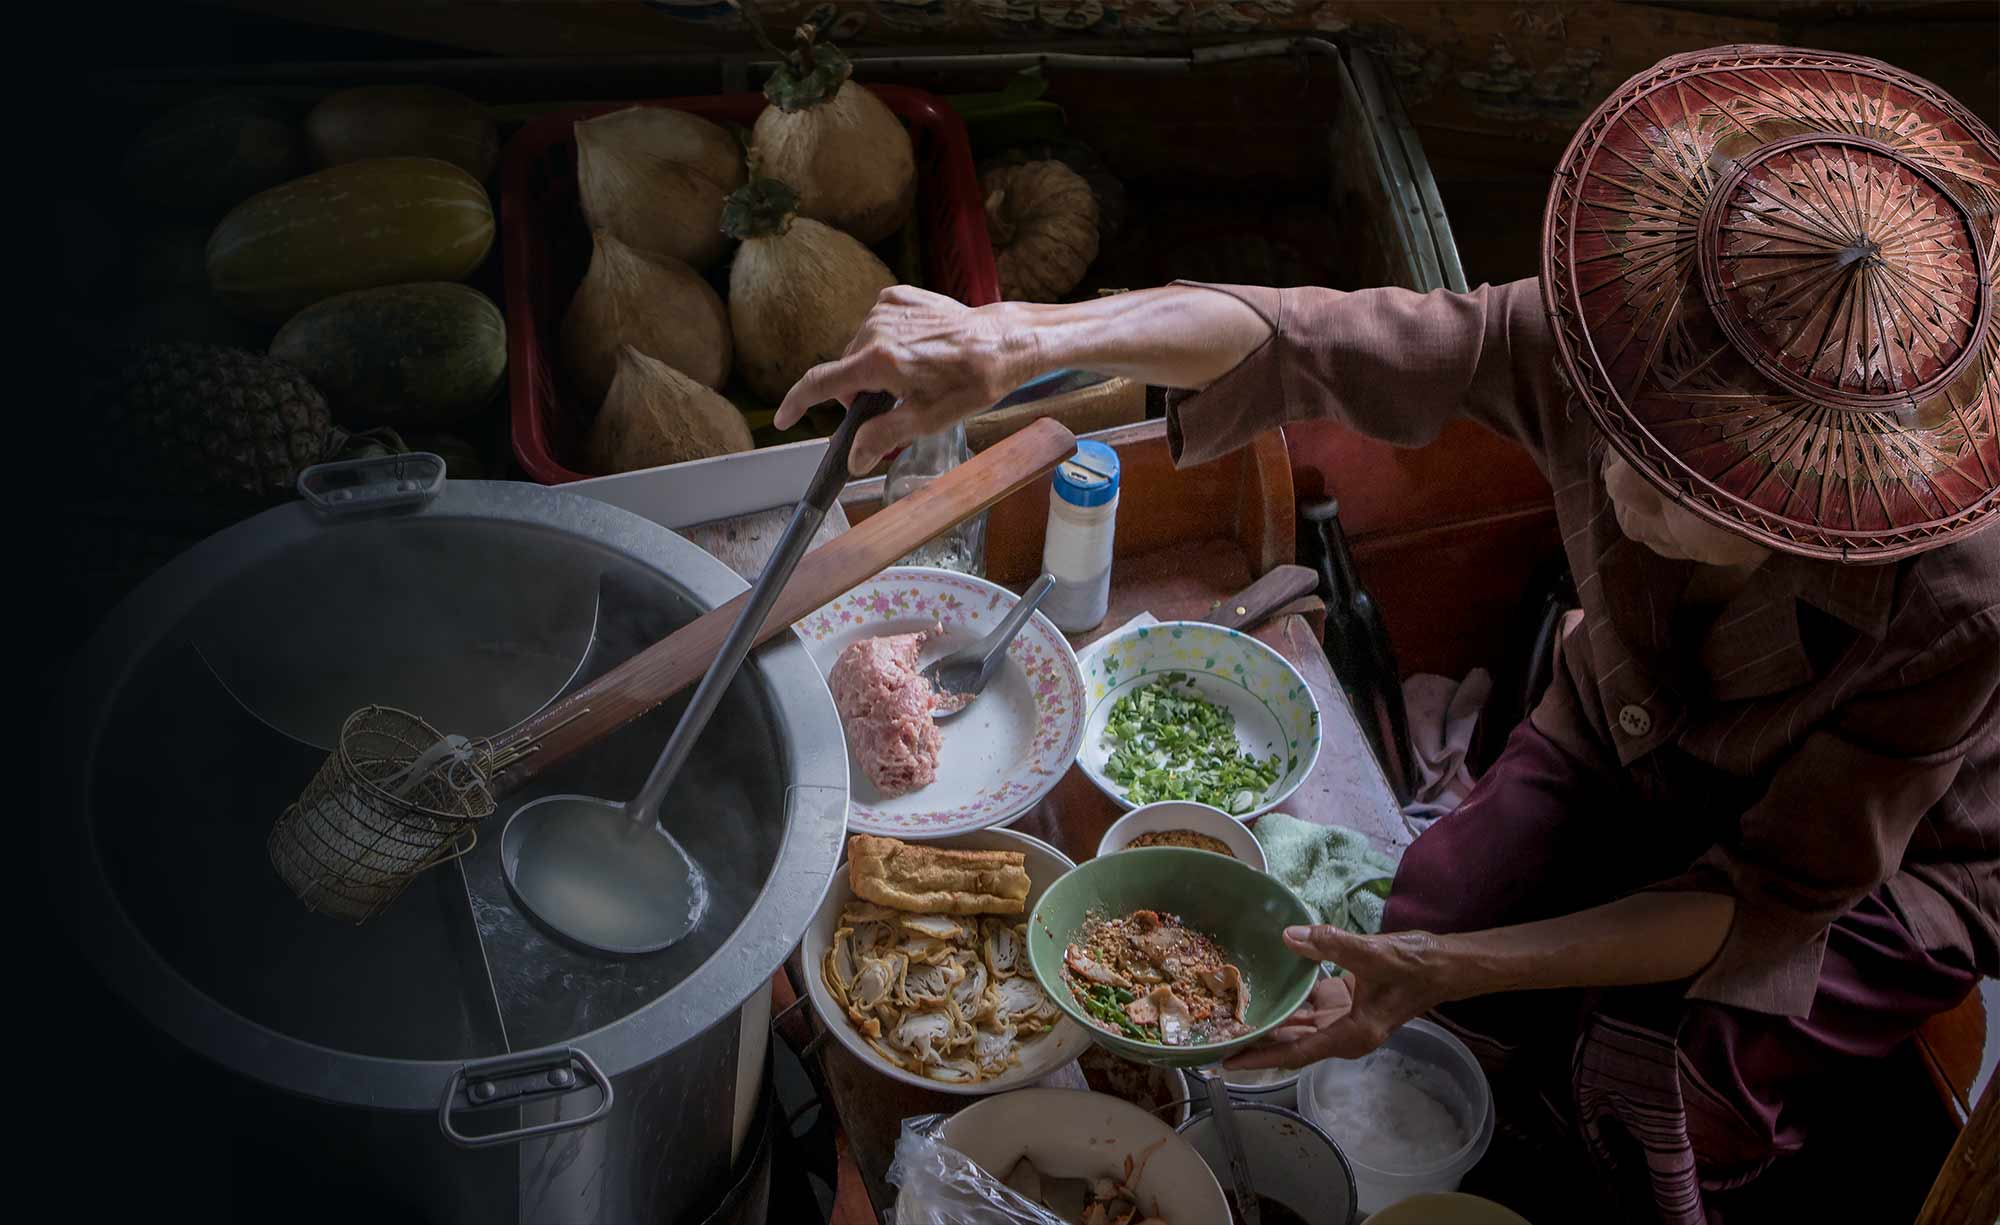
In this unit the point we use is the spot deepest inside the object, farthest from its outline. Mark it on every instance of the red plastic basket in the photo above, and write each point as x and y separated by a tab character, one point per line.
546	248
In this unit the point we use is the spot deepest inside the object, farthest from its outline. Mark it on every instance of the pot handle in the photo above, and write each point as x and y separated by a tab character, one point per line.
351	487
517	1079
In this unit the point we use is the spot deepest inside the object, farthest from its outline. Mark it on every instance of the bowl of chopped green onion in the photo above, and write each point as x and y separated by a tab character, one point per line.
1185	710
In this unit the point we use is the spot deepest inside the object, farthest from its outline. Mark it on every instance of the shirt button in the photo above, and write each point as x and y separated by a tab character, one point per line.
1635	720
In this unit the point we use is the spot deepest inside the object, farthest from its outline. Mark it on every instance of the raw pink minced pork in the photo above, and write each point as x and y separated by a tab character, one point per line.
886	704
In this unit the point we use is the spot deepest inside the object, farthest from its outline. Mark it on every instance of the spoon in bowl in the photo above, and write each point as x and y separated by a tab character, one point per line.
961	676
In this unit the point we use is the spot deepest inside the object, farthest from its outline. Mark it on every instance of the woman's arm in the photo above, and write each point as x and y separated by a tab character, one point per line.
946	361
1388	979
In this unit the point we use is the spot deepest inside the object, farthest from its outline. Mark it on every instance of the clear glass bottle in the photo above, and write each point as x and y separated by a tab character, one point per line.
963	548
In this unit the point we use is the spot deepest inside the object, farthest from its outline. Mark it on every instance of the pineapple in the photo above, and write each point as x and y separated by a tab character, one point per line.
202	419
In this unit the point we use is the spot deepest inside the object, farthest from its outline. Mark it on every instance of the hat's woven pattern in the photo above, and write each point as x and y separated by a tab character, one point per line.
1770	273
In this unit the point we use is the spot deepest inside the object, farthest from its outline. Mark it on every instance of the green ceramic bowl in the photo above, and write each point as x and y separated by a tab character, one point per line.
1242	908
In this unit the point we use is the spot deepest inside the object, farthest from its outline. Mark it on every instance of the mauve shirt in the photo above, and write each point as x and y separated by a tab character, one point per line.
1849	716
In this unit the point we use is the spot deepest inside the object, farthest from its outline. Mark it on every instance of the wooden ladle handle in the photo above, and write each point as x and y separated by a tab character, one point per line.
678	660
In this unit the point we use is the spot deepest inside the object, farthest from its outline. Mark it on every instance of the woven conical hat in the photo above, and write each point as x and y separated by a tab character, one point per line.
1770	273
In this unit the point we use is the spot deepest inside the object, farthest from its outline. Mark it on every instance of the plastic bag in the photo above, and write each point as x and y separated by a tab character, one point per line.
938	1185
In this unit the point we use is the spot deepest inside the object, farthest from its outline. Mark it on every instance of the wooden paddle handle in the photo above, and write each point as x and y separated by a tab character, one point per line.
678	660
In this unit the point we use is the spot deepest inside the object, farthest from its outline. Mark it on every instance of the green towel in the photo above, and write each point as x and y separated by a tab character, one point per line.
1338	873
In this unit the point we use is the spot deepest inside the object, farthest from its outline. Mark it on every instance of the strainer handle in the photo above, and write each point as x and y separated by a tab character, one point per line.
514	1080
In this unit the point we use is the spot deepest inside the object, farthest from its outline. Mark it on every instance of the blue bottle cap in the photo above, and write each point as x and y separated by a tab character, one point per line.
1090	477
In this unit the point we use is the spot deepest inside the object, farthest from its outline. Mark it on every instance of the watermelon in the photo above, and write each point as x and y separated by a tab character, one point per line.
385	221
403	355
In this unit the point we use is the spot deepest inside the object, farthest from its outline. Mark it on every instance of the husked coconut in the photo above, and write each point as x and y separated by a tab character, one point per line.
798	290
655	178
656	415
835	143
656	304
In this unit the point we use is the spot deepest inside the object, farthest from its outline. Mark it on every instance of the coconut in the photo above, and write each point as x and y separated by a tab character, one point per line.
656	415
798	290
656	304
655	178
845	153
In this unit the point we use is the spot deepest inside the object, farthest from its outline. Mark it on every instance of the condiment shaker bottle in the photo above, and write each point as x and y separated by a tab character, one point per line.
1083	513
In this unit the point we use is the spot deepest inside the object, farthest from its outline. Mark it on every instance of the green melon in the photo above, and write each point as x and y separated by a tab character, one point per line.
214	152
385	221
403	355
403	121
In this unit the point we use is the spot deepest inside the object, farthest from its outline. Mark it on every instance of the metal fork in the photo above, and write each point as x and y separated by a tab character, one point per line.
960	676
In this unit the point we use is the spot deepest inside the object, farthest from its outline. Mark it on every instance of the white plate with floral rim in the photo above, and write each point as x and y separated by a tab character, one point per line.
1016	740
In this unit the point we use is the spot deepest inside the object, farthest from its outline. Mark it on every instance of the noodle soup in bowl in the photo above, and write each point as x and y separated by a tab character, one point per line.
1242	911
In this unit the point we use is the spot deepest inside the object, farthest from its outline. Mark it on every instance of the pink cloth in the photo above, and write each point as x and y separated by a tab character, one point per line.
1442	713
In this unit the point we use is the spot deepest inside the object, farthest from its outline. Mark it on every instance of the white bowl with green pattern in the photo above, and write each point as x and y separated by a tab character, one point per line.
1273	708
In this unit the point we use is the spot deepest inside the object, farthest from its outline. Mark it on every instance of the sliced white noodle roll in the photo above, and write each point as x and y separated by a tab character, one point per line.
994	1049
934	926
922	1034
970	993
930	984
871	936
1004	946
879	980
953	1071
1019	1002
839	969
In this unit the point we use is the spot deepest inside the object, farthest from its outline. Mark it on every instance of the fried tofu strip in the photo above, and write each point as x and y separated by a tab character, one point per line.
931	880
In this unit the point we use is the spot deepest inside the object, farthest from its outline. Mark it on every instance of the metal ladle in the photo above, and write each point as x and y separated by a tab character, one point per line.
608	875
1248	1209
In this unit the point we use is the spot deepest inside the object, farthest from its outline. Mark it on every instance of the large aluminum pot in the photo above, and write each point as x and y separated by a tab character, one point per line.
450	1059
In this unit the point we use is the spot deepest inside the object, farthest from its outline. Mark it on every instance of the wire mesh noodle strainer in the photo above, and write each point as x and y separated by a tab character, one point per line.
394	797
351	843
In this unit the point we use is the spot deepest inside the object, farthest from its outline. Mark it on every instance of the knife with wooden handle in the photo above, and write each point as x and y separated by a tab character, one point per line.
1250	606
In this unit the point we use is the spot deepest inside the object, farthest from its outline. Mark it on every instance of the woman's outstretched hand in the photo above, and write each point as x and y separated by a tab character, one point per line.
942	360
1385	981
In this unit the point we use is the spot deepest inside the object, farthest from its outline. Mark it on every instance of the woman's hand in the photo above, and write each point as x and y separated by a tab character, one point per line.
1385	981
943	361
1653	937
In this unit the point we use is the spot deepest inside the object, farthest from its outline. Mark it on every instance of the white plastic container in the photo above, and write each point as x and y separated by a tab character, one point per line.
1447	1072
1083	516
1291	1161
